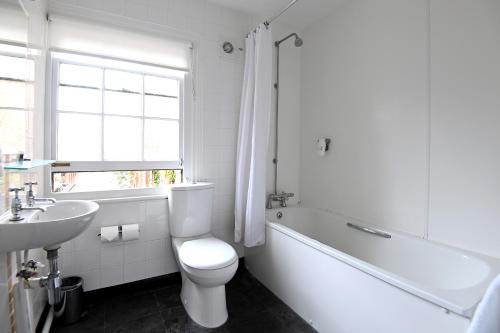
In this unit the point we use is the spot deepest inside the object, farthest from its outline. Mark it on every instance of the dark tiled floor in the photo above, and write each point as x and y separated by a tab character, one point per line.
154	306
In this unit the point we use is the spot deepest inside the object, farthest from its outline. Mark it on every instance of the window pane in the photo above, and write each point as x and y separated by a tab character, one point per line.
161	140
129	104
15	131
16	68
79	99
117	80
113	180
122	139
161	86
161	107
80	75
78	137
13	94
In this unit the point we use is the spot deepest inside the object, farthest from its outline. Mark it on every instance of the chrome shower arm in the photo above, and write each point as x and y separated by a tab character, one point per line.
277	43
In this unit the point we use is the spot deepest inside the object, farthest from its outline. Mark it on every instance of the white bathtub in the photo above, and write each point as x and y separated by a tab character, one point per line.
344	280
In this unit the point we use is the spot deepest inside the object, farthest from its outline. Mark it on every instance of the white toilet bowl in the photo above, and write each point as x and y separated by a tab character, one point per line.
206	265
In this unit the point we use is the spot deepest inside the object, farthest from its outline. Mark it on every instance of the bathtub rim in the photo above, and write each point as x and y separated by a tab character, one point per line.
461	306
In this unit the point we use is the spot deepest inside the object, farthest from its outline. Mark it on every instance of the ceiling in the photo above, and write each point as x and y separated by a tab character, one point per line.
299	16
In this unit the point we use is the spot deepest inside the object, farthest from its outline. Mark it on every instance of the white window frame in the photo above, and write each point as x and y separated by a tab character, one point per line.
75	166
20	51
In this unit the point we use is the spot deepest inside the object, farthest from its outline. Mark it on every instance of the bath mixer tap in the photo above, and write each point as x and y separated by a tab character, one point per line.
281	197
30	197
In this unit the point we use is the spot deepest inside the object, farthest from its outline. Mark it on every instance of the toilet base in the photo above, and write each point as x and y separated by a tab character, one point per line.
205	305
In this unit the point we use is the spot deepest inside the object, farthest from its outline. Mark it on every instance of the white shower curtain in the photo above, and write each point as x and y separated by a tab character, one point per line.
253	139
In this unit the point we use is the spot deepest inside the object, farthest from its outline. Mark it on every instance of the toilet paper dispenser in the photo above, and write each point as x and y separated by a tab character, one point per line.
126	232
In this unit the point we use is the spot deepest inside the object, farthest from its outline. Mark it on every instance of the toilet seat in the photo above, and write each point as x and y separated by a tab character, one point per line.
207	254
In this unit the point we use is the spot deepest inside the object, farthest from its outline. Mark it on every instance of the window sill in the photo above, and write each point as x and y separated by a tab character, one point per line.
115	196
130	199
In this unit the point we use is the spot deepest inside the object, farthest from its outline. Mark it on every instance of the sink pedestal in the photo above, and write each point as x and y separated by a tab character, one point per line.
53	280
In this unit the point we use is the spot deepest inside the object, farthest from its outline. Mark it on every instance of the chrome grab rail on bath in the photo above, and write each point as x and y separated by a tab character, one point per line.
369	230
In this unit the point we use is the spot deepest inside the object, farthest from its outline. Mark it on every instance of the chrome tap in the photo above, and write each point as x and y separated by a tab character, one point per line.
17	205
30	197
282	198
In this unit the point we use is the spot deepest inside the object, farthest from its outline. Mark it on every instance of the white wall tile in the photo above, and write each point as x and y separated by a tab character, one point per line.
158	14
157	249
376	170
224	204
113	6
226	170
111	275
157	267
134	271
136	10
225	187
227	136
223	220
87	260
465	125
134	252
67	246
120	213
156	225
229	120
155	229
157	210
176	18
212	136
213	154
112	255
228	154
67	263
88	239
195	25
91	279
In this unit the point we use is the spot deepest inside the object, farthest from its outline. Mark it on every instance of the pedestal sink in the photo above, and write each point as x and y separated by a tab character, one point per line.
60	222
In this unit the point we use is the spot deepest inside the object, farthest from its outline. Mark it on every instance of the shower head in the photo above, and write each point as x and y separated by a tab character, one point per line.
298	41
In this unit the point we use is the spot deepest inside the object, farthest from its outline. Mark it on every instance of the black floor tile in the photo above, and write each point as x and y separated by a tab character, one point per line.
168	297
154	306
127	308
149	324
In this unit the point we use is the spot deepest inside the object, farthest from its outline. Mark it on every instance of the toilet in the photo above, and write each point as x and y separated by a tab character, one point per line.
206	263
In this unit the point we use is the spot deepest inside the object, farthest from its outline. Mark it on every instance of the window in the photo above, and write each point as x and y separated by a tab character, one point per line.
115	119
16	101
65	182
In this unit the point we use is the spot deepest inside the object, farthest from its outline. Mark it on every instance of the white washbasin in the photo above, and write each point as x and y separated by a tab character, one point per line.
61	222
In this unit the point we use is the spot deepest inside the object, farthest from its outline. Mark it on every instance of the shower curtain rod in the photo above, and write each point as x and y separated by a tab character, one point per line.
270	20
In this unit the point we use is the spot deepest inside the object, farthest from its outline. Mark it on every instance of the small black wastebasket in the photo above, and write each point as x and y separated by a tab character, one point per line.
72	286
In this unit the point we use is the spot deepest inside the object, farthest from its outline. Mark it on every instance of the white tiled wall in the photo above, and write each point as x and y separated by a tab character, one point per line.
106	264
365	85
408	90
465	125
218	87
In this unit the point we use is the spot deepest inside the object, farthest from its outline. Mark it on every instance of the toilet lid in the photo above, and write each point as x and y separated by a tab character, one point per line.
207	253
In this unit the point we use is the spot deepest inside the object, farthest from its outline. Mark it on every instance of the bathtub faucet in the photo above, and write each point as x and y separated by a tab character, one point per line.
281	197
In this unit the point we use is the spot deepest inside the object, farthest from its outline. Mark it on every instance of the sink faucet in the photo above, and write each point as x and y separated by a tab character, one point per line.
17	205
30	197
282	198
